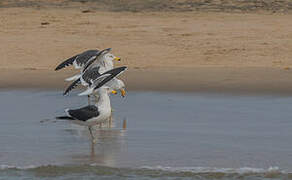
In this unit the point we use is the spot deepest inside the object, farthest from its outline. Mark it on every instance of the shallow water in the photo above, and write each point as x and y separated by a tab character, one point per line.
168	136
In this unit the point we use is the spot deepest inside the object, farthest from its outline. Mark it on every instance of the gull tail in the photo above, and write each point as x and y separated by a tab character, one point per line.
87	92
73	77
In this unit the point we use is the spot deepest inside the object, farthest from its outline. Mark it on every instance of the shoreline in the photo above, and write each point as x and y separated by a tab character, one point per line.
230	80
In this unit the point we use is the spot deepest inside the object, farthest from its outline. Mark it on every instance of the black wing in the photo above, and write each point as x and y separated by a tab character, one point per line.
81	59
111	74
67	62
88	63
64	118
91	74
72	86
84	57
85	113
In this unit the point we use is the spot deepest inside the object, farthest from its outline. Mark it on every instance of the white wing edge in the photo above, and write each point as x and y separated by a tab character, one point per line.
75	77
87	92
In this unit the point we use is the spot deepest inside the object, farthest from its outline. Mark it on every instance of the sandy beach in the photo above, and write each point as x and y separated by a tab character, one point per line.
174	51
208	81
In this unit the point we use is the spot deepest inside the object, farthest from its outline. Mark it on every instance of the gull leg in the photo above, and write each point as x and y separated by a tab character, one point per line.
92	137
92	153
88	99
124	124
96	98
110	121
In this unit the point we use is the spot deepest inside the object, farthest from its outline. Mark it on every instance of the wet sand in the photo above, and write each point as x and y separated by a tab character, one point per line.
182	51
204	79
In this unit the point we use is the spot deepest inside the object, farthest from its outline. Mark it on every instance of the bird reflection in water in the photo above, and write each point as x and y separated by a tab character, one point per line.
110	141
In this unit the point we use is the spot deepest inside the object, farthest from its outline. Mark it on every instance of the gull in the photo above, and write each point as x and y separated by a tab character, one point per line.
88	58
91	115
79	60
104	60
108	79
93	80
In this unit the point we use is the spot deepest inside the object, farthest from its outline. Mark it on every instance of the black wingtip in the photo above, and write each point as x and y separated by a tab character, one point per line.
65	63
113	73
124	68
120	69
64	118
108	49
71	87
58	68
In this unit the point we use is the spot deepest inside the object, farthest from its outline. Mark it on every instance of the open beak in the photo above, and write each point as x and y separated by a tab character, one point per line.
117	59
114	92
123	92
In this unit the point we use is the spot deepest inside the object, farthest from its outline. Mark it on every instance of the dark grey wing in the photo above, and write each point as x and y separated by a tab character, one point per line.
64	118
81	59
84	57
100	53
72	86
109	76
91	74
85	113
67	62
100	79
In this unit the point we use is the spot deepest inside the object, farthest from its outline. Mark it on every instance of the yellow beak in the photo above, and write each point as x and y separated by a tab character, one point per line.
117	59
114	92
123	92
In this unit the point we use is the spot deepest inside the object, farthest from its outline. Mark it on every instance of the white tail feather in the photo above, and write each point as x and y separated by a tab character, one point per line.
67	113
87	92
73	77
